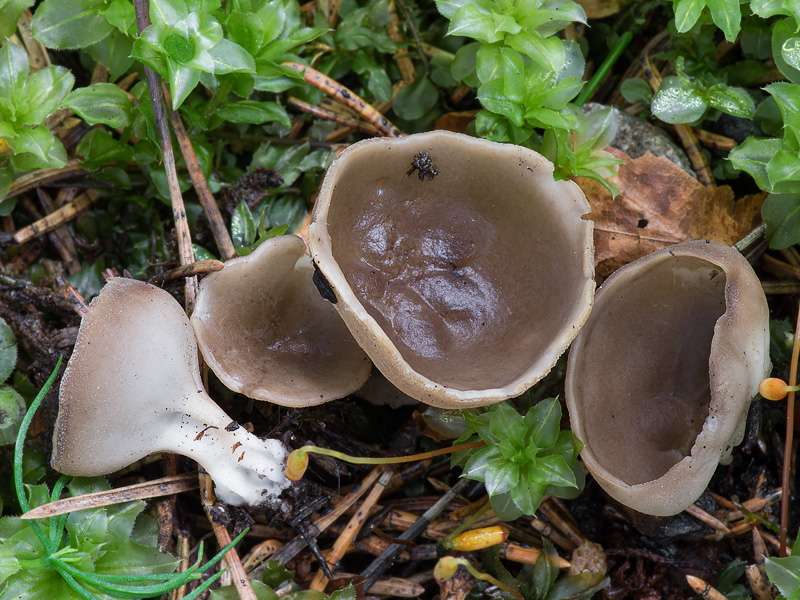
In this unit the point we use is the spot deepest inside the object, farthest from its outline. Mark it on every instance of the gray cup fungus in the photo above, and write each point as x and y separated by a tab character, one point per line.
465	277
265	331
132	388
661	376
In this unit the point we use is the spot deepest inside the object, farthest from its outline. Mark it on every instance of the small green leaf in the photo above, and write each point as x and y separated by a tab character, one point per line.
781	213
114	53
8	351
678	102
416	100
251	111
543	422
63	24
243	226
10	11
39	142
12	410
449	7
229	57
122	15
785	574
552	470
782	32
500	477
168	11
182	80
13	69
548	52
790	52
578	587
783	171
636	90
752	156
527	496
686	13
471	21
43	92
480	460
102	103
732	100
727	16
504	507
99	148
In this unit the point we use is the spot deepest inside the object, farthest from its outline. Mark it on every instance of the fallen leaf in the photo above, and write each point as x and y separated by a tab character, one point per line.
660	204
456	121
599	9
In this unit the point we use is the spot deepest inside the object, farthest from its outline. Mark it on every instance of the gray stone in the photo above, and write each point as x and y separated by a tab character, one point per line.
636	137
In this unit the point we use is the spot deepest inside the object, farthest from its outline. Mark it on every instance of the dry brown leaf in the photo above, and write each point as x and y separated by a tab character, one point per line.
660	204
456	121
598	9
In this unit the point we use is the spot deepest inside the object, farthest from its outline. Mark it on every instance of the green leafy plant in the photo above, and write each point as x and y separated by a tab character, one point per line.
25	101
106	552
526	77
684	99
12	405
785	574
539	581
524	457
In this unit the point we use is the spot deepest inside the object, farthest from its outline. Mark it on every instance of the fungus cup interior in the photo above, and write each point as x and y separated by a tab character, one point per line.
657	398
265	331
477	275
660	378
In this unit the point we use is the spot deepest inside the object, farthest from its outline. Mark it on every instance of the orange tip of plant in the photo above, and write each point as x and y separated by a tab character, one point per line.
477	539
296	465
445	568
775	389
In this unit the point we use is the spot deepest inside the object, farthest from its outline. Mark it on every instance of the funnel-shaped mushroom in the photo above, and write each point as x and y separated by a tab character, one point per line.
132	388
460	266
266	332
661	376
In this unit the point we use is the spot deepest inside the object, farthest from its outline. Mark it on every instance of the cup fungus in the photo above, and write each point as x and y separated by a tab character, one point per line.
133	388
660	378
265	331
463	277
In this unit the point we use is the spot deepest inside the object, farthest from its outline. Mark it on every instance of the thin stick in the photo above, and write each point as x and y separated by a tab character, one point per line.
374	570
759	583
236	571
714	141
57	218
293	548
66	245
138	491
701	515
351	530
704	589
215	221
26	183
185	251
260	553
404	63
391	586
685	133
201	267
329	115
787	448
336	90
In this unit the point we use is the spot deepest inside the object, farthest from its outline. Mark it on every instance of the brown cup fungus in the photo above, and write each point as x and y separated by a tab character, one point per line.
460	266
660	378
132	388
265	331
